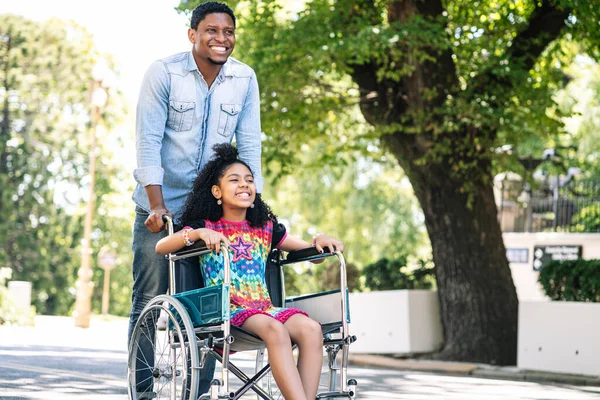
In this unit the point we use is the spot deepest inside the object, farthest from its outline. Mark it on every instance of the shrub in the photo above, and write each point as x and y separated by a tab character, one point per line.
587	219
575	280
328	276
322	277
396	274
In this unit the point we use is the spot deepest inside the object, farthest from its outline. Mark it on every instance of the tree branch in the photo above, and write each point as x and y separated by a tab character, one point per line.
544	26
374	101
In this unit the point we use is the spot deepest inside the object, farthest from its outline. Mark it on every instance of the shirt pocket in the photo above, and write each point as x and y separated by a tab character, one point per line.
228	118
181	115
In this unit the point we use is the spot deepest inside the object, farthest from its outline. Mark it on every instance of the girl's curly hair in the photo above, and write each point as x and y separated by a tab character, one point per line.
202	205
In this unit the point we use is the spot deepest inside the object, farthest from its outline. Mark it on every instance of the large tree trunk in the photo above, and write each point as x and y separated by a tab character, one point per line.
478	300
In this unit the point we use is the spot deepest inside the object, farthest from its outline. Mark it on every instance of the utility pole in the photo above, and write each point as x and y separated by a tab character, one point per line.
84	284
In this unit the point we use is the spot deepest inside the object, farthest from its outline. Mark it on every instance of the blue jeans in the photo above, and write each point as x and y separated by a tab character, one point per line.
150	279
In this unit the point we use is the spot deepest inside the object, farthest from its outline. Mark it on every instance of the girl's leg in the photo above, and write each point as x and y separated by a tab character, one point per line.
279	345
307	334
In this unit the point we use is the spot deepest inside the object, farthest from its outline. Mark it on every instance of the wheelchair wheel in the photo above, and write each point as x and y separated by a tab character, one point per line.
163	362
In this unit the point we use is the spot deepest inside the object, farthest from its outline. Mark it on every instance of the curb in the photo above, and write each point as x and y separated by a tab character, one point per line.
512	373
475	370
451	368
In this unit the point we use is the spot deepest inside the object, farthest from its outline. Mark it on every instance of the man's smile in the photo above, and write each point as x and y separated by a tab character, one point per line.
219	49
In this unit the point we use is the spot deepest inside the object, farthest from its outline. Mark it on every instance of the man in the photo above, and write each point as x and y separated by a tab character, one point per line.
188	102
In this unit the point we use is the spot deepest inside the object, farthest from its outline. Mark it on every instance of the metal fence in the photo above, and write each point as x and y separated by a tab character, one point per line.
550	206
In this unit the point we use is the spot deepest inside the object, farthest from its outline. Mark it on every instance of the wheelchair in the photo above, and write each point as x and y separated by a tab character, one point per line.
166	360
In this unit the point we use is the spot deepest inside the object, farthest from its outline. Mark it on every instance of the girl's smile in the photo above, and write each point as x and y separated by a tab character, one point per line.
236	188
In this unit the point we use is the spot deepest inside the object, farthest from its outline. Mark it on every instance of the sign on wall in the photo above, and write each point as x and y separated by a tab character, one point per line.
543	255
517	255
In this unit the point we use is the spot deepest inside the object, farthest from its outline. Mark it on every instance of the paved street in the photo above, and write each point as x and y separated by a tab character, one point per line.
55	360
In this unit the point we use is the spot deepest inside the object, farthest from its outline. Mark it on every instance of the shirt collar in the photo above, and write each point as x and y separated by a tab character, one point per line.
225	71
191	63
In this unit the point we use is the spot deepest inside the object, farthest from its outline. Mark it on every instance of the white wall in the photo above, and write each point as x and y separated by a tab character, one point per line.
19	293
395	321
559	337
524	277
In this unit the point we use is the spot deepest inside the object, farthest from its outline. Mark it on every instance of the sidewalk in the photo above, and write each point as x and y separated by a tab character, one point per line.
104	333
110	333
466	369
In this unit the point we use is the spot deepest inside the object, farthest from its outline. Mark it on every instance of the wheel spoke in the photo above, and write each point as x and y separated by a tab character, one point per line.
160	360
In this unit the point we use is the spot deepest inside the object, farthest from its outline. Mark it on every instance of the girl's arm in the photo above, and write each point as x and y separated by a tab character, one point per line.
320	241
176	241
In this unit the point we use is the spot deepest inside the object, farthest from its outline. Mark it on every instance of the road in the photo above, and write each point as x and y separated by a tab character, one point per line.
55	360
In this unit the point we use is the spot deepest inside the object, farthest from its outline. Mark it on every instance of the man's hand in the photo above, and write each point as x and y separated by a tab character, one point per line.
154	222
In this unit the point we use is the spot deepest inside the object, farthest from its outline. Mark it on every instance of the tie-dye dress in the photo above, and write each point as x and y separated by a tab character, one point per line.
248	250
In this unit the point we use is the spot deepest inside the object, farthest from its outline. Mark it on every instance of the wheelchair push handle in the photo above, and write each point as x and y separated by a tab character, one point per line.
168	220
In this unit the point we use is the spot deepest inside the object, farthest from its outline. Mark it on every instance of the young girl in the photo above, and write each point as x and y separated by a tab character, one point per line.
224	208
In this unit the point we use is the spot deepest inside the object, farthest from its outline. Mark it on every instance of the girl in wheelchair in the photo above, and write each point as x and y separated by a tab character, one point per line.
224	209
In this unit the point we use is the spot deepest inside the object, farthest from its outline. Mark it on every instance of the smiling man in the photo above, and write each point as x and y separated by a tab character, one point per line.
188	102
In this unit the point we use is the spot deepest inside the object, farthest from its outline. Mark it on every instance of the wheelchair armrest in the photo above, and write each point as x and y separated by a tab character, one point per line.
307	254
197	248
338	297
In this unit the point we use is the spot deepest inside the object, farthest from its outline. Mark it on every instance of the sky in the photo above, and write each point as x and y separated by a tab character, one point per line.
136	32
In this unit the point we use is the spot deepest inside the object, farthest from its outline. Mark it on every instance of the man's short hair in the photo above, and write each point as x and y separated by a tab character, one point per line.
210	7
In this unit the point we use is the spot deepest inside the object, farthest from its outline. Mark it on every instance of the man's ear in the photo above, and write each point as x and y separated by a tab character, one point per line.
216	191
192	35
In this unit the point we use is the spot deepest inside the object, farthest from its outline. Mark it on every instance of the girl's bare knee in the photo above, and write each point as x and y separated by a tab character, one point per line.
311	334
276	334
316	332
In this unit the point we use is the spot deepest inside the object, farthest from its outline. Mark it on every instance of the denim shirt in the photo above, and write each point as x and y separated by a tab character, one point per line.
179	119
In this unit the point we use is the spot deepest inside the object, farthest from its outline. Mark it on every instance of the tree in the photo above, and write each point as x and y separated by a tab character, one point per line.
581	97
366	205
441	85
45	74
395	274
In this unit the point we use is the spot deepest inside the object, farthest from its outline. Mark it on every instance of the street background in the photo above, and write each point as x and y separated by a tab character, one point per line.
55	360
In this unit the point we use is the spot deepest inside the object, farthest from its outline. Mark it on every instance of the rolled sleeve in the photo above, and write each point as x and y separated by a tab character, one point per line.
248	133
149	175
151	118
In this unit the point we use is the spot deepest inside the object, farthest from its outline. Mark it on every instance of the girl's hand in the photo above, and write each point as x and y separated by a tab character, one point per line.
212	239
321	241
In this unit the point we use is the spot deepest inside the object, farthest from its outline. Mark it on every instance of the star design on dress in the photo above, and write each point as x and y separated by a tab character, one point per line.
241	249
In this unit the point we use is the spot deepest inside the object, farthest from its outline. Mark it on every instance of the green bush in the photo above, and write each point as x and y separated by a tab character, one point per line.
587	219
328	276
310	278
396	274
576	280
